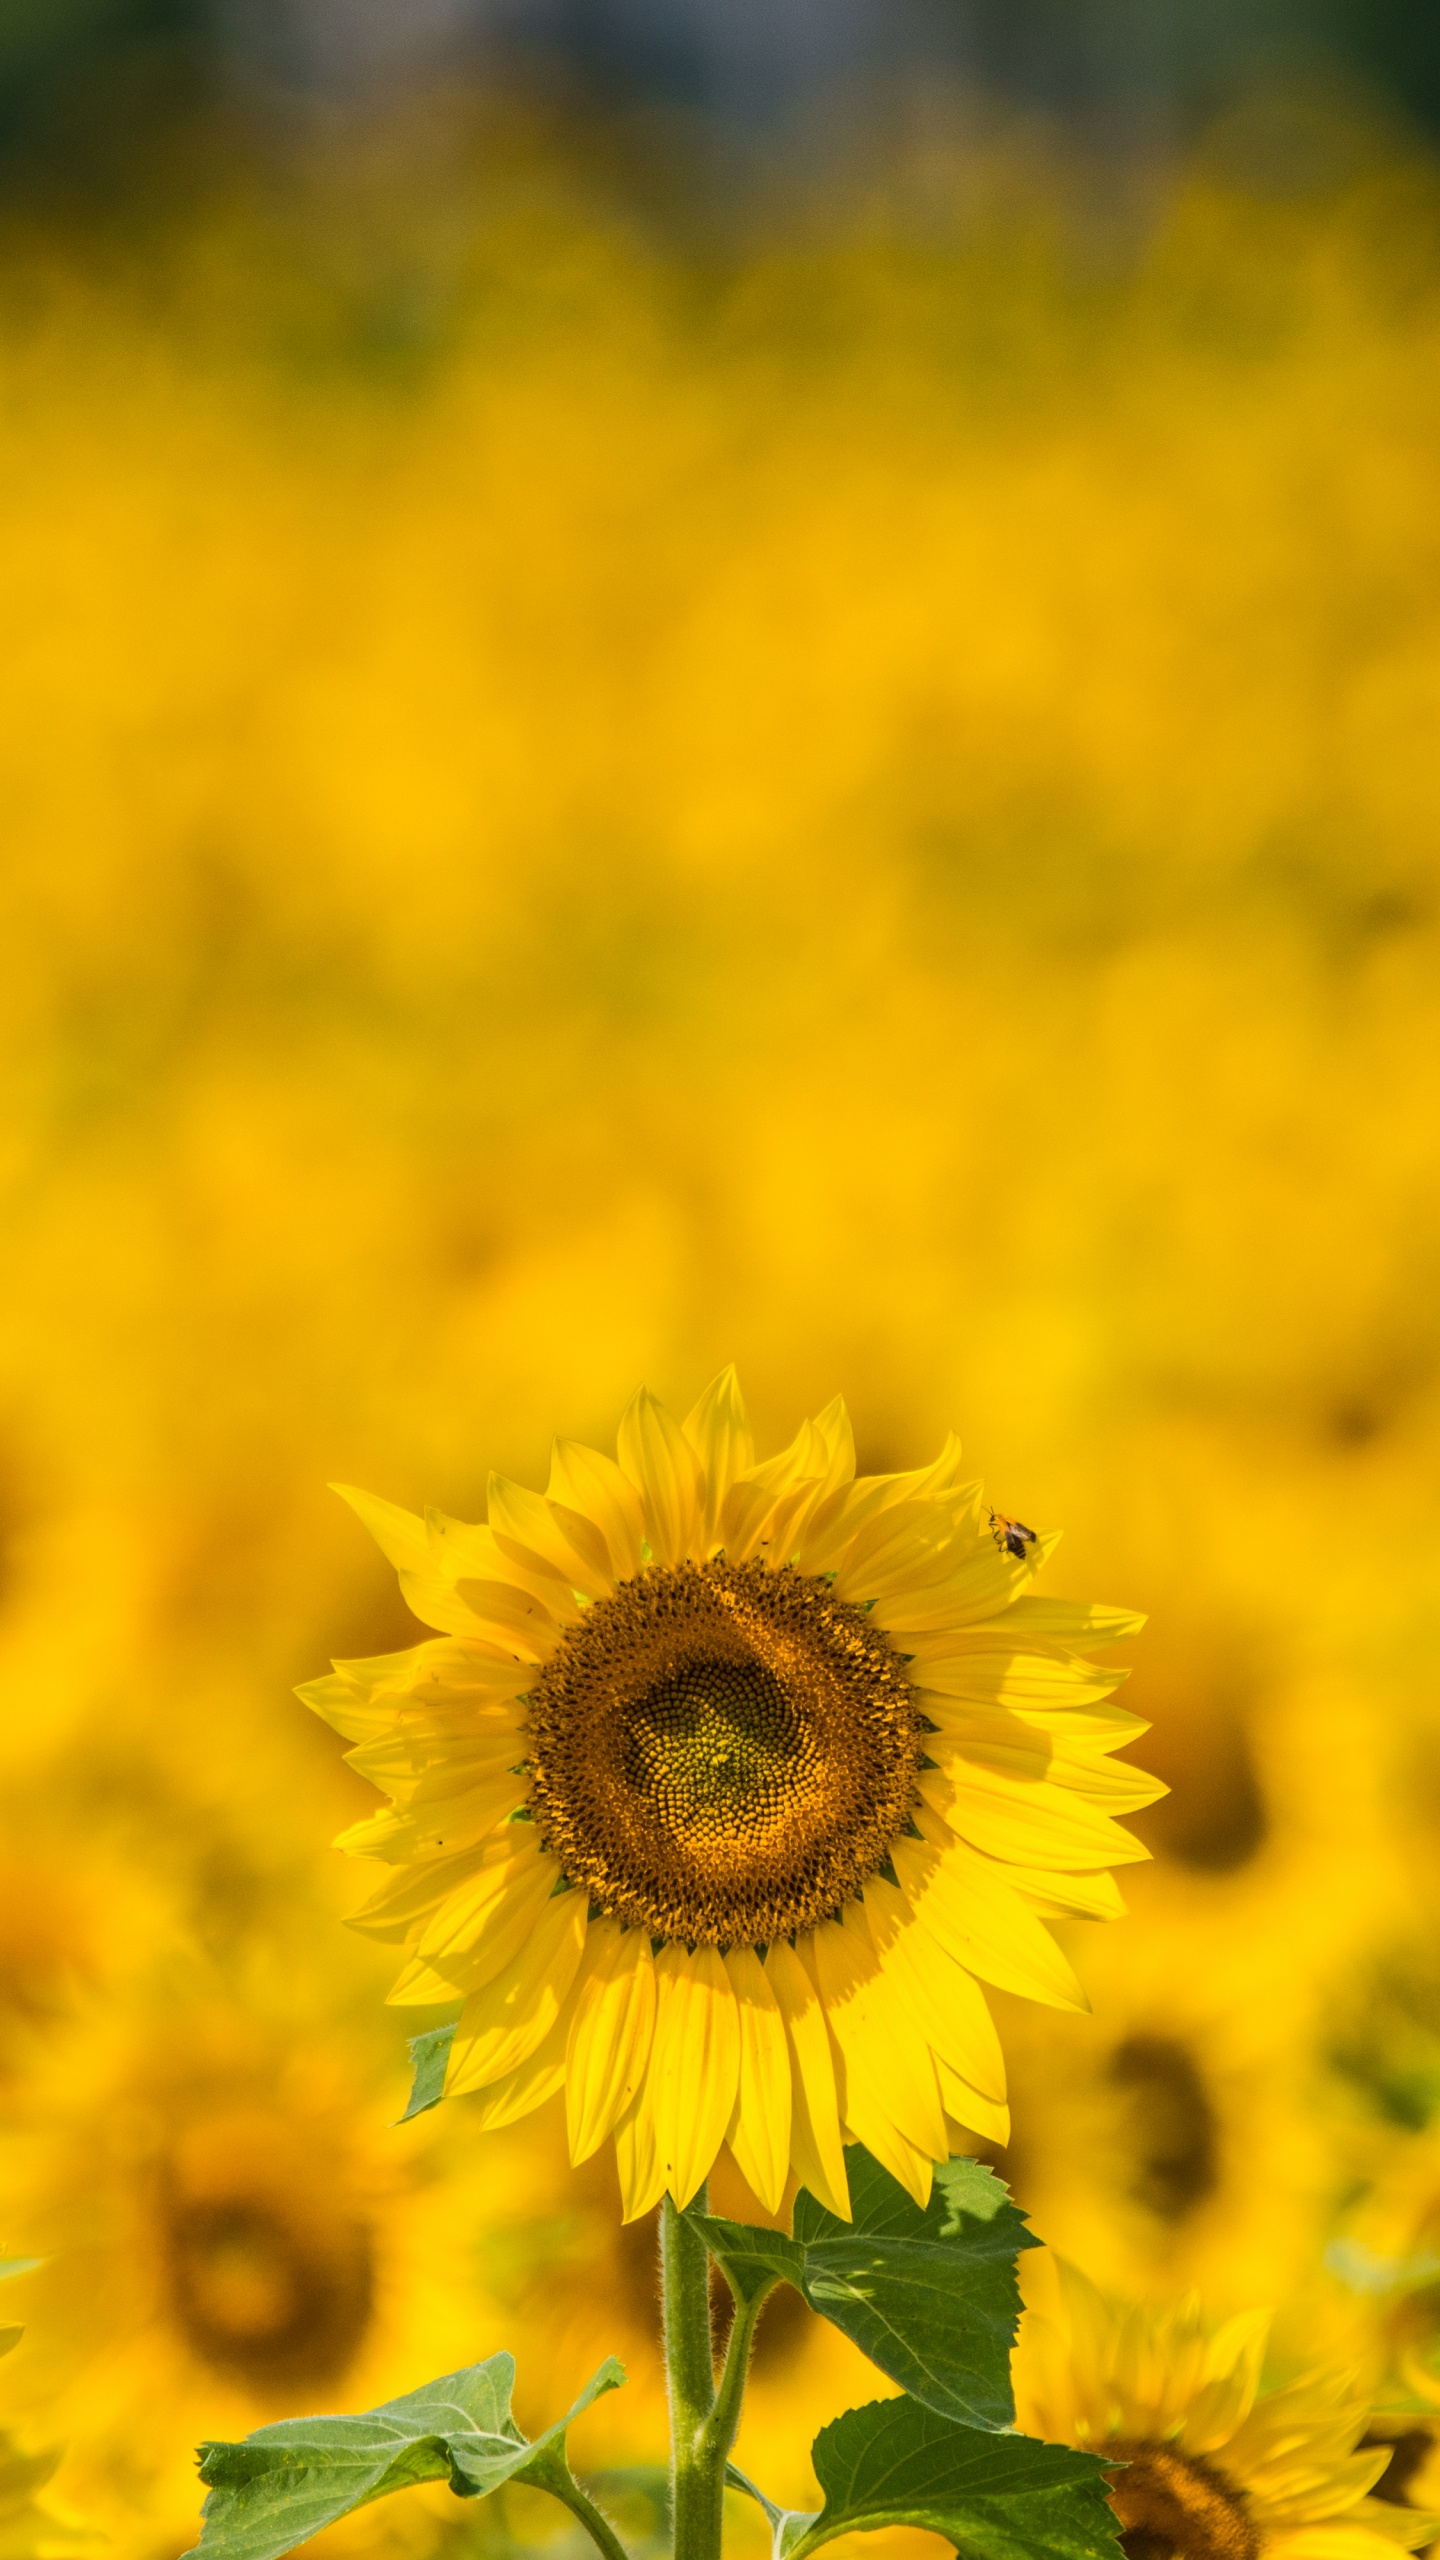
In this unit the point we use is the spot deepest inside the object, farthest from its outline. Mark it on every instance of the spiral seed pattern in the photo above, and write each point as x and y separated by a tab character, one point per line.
721	1753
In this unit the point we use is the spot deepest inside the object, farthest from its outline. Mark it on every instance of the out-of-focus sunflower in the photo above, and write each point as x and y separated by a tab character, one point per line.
29	2530
807	1734
1383	2261
1214	2469
227	2234
1412	2438
1173	2140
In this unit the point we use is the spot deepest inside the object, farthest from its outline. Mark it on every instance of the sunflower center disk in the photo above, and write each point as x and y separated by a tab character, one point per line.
1175	2506
722	1754
715	1746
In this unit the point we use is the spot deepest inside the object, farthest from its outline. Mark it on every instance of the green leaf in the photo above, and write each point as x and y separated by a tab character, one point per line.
752	2259
288	2480
927	2292
880	2204
430	2060
993	2497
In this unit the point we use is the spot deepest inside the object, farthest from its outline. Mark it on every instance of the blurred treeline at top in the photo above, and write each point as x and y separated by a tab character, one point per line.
92	90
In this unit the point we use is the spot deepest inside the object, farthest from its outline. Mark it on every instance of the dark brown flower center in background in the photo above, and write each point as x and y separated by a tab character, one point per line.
270	2278
721	1753
1176	2506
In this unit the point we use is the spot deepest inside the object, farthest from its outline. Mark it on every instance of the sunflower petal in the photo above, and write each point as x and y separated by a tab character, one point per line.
805	1460
437	1603
946	2002
392	1912
969	1906
435	1830
1073	1762
665	1471
511	1875
785	1525
1234	2360
401	1536
1081	1623
1023	1825
900	1540
718	1430
968	2112
694	2064
637	2156
981	1586
838	1435
855	1506
502	1609
834	1520
744	1515
759	2129
501	2026
438	1778
1007	1678
419	1986
505	2101
1096	1897
945	1474
815	2144
1074	1749
887	2079
905	1573
451	1668
612	2022
564	1541
346	1708
585	1481
1346	2541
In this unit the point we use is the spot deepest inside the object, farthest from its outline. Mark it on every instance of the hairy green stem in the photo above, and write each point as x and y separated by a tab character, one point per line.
562	2485
697	2466
723	2424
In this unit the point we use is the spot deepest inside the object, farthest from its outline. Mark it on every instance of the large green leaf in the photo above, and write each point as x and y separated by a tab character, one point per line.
288	2480
992	2496
928	2292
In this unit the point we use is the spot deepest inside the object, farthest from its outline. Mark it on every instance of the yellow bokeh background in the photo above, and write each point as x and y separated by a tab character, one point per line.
578	806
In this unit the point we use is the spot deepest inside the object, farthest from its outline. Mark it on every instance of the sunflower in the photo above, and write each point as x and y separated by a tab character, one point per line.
220	2238
29	2530
1213	2468
1174	2140
723	1788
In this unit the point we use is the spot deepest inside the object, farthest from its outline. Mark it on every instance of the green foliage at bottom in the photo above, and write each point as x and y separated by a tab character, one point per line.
994	2496
287	2481
928	2291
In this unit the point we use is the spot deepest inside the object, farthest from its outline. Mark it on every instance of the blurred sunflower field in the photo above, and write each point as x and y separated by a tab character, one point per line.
576	807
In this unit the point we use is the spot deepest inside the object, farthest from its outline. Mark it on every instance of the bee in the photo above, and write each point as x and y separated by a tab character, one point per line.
1010	1536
